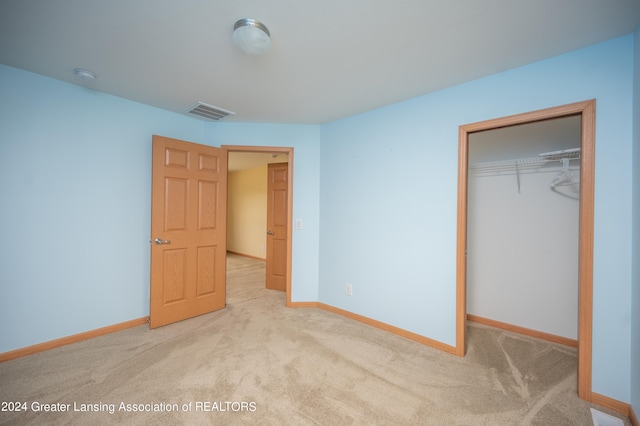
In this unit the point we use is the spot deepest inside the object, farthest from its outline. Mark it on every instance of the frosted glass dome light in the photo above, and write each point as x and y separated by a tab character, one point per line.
251	36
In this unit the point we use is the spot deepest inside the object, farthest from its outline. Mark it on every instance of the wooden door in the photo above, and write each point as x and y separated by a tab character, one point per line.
277	196
188	230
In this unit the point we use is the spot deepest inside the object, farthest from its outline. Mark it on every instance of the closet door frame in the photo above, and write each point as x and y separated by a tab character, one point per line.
586	110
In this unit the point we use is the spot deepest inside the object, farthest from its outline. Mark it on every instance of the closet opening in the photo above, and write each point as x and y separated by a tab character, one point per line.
525	228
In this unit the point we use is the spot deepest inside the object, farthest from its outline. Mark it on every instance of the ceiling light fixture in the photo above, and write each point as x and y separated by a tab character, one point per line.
84	74
251	36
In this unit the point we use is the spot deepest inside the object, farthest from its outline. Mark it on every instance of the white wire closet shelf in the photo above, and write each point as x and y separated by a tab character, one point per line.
519	163
543	159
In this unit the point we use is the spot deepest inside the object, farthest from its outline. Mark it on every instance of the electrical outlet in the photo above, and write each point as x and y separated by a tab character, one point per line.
348	289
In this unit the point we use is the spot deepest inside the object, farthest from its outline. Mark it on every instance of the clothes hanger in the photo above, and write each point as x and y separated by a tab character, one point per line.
565	177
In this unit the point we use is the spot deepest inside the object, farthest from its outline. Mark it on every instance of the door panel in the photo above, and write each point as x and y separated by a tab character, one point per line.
205	283
279	266
277	196
207	198
175	206
188	217
174	275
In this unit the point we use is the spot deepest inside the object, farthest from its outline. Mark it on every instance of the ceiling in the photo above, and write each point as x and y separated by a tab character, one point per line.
328	60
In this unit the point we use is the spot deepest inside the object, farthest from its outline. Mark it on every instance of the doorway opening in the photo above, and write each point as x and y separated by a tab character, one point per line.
263	249
586	112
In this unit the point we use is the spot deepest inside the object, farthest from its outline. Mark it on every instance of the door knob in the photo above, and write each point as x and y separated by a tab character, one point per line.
160	241
270	232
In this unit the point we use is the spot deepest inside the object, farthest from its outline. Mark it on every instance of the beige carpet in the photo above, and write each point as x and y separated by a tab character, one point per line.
257	362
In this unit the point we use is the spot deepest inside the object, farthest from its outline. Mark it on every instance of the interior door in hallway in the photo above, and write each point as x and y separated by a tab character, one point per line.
277	195
188	230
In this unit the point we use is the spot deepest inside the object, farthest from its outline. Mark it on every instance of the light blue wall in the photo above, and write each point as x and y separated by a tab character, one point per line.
635	303
75	198
76	177
389	187
305	141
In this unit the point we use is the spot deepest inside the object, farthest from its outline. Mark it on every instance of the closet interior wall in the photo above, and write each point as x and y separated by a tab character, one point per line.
522	230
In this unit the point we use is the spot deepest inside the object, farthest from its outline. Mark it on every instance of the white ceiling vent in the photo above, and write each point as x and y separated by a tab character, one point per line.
209	112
